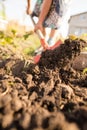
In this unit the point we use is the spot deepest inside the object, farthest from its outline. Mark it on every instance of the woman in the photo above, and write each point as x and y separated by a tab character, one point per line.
49	20
50	13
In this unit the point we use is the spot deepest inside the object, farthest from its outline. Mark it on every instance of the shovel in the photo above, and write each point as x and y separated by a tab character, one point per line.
43	43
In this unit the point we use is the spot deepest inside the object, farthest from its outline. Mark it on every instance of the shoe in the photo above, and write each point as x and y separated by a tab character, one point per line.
50	42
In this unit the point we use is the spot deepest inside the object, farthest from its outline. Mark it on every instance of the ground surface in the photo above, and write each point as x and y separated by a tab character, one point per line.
50	95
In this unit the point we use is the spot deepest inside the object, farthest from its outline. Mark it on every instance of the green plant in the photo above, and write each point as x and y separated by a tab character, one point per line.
28	51
85	71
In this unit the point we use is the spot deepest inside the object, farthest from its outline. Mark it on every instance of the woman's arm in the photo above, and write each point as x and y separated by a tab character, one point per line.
28	11
28	2
44	11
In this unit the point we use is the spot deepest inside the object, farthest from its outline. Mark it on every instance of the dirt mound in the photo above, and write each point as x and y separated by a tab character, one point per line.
50	95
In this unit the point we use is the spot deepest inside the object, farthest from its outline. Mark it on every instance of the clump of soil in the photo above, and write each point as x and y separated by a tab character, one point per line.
50	95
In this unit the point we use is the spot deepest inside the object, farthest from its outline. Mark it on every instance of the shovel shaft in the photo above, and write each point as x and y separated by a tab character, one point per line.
40	35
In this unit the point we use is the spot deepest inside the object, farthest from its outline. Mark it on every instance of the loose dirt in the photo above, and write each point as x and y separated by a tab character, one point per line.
50	95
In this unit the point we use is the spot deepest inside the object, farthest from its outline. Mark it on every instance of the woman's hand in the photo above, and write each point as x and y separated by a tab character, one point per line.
28	11
38	26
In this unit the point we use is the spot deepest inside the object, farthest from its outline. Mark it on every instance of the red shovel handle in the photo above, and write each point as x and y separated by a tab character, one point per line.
40	35
44	44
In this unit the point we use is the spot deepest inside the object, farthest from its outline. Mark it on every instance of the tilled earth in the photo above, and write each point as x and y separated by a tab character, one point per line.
50	95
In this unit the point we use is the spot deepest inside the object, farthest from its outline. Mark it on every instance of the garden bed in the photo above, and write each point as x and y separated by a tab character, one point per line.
50	95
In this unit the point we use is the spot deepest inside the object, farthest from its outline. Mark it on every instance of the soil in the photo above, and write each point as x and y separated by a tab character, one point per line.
50	95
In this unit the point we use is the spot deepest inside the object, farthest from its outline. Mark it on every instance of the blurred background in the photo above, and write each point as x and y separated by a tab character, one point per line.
16	28
14	11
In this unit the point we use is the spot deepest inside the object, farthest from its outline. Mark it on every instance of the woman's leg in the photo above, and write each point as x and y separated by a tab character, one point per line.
52	33
51	39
